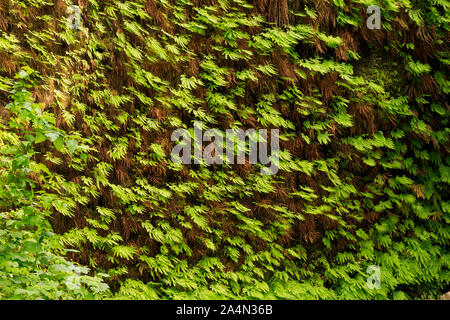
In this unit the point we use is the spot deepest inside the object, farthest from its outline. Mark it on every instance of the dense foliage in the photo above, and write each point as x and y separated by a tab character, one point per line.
87	180
28	267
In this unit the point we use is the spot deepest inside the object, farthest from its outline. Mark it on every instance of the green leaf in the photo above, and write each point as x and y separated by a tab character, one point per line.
72	145
370	162
52	136
40	138
31	247
59	144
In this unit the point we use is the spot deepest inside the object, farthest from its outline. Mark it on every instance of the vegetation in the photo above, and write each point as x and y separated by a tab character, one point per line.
92	207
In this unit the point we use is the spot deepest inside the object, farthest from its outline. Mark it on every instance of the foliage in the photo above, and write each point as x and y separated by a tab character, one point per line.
364	165
28	267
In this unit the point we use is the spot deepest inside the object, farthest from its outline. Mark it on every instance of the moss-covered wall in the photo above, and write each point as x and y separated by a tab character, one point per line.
363	120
